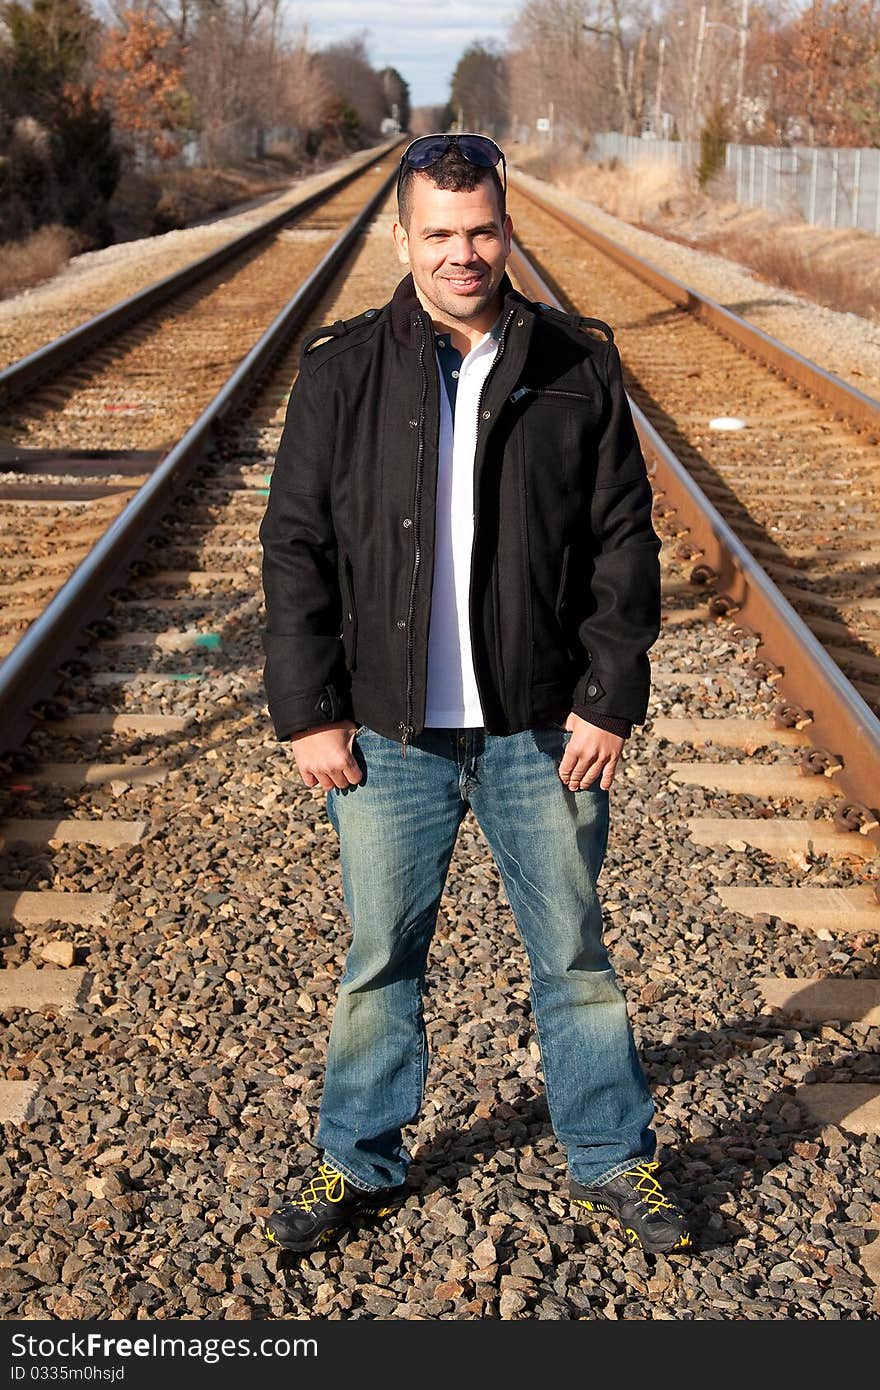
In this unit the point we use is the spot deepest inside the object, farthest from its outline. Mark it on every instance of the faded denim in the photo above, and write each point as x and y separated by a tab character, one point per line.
397	831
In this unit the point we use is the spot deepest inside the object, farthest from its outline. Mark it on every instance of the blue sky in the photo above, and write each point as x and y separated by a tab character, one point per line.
423	39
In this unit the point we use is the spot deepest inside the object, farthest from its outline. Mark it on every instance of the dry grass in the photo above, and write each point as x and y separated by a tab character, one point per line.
839	268
39	257
147	204
631	192
189	195
166	199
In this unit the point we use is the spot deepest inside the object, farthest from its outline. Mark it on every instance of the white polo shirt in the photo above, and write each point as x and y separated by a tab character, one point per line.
453	700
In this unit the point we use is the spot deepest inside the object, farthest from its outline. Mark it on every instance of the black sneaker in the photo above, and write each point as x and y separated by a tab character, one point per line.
635	1197
326	1204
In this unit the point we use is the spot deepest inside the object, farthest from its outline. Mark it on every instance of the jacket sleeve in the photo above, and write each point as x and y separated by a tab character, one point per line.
623	607
305	675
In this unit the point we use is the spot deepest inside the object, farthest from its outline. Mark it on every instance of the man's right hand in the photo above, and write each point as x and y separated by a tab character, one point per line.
324	757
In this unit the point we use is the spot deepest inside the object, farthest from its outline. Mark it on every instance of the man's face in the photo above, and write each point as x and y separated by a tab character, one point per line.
456	246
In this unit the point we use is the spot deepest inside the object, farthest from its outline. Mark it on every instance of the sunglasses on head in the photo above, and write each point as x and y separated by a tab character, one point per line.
428	149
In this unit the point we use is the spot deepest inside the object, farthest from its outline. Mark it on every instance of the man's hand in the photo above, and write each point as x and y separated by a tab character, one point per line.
591	752
324	757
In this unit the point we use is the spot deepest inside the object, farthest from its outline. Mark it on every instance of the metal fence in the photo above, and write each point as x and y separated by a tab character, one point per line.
830	187
630	149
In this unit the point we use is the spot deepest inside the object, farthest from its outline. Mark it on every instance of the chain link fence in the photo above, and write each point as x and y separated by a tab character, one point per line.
827	187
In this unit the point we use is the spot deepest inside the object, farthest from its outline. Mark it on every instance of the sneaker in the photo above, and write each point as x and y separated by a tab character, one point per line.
326	1204
651	1221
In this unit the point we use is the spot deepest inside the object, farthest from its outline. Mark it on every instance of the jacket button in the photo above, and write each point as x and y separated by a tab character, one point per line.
370	313
413	424
592	690
487	415
401	622
407	521
324	706
520	322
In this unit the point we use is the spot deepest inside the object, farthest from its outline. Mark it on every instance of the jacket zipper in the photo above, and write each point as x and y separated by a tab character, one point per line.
491	372
502	339
521	391
407	727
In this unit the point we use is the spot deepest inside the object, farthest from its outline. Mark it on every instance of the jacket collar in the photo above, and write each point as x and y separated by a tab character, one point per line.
406	309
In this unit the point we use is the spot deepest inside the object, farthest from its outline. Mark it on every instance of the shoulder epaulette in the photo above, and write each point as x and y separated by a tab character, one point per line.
337	329
597	328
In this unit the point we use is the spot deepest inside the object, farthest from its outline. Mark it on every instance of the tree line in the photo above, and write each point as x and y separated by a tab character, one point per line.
777	73
84	93
147	81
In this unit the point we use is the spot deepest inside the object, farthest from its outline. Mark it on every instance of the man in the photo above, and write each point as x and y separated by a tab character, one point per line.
462	584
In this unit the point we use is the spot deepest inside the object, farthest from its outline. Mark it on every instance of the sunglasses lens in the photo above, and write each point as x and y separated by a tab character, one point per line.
478	150
423	153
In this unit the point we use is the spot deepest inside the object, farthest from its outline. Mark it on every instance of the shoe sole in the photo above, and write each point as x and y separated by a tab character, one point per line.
302	1247
683	1242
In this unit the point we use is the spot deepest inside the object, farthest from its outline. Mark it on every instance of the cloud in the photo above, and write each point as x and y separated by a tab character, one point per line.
407	16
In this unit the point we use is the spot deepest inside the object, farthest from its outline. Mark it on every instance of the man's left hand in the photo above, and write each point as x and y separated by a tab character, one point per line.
592	753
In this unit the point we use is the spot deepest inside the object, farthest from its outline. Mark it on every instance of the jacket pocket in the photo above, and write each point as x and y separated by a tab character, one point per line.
349	615
552	393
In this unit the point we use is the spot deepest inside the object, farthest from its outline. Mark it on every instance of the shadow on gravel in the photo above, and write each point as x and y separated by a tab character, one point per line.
733	1155
727	1159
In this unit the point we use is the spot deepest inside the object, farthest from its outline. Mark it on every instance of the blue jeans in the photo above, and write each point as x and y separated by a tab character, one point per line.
397	830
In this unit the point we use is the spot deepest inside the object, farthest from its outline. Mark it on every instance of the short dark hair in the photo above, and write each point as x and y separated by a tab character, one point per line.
452	171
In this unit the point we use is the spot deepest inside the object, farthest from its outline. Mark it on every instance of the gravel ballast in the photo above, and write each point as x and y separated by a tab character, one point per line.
842	343
178	1099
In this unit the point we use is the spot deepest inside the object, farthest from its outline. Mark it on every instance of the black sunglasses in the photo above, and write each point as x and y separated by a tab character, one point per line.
428	149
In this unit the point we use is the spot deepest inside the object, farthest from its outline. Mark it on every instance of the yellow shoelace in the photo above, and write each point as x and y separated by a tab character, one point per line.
328	1184
648	1187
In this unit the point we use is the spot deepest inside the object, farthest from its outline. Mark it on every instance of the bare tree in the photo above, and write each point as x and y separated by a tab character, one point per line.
233	71
358	89
608	24
781	70
306	101
479	89
546	62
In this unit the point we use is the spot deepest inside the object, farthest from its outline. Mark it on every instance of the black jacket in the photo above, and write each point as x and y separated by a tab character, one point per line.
565	581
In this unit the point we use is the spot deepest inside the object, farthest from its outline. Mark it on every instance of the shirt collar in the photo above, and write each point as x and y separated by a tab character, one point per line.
492	336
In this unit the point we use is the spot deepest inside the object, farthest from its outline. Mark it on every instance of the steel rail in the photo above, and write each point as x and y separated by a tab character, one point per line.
29	672
840	719
847	401
55	356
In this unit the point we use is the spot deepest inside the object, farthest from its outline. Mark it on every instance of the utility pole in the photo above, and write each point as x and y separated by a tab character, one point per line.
741	67
698	63
658	99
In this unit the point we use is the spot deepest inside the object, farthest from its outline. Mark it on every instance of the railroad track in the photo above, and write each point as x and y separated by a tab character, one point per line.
44	543
796	482
174	927
87	419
